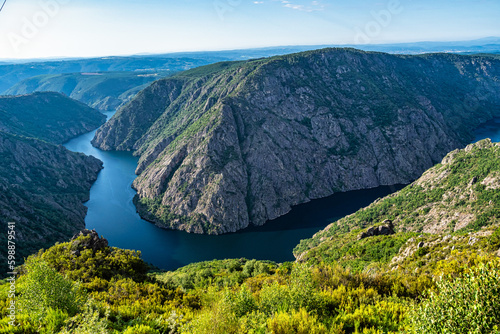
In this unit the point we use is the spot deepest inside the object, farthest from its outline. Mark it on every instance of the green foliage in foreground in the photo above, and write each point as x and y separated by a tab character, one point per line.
469	304
43	289
222	273
67	289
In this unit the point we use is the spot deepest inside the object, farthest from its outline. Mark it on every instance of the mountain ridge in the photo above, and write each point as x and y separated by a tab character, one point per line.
49	116
229	144
43	188
100	90
43	185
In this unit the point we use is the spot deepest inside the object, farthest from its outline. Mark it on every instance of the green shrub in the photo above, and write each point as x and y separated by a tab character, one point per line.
254	323
218	318
87	322
296	322
42	290
244	302
140	329
275	297
469	304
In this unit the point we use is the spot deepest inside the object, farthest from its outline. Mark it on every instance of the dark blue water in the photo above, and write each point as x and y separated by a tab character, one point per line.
490	129
112	213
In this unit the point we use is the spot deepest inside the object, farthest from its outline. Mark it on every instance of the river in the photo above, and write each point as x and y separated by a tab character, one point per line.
490	129
113	215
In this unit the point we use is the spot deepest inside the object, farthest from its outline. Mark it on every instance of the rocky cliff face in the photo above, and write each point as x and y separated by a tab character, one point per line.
231	144
42	190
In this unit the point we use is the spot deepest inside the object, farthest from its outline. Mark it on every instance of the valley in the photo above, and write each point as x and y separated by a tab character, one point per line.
350	235
249	167
112	213
375	283
225	146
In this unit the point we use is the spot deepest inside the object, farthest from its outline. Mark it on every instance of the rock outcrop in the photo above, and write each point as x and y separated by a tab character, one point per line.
233	144
91	241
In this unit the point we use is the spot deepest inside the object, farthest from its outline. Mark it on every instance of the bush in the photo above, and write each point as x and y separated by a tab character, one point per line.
298	322
87	322
244	302
217	318
254	323
42	289
140	329
469	304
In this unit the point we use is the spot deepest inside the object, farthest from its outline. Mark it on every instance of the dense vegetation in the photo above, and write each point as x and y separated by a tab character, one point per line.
100	90
78	287
52	117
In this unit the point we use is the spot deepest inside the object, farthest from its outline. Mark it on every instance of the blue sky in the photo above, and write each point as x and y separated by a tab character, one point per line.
54	28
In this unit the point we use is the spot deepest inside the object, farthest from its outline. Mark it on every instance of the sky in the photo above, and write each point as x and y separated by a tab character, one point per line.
88	28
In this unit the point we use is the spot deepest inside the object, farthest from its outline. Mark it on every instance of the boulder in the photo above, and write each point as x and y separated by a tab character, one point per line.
473	181
386	229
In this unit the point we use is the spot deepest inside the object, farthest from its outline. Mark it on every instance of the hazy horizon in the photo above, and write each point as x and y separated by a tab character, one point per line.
140	54
77	29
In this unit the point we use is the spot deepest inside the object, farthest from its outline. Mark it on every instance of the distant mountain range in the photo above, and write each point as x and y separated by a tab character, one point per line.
14	71
100	90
